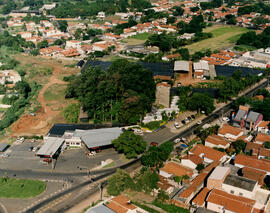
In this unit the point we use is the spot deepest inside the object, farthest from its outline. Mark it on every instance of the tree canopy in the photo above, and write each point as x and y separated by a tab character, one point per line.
130	144
124	93
156	155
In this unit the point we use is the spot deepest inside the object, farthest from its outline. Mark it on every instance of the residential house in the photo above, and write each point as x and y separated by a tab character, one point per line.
217	177
100	46
73	44
122	204
101	15
263	127
50	51
69	53
171	169
254	174
252	120
171	57
199	200
164	184
208	154
229	132
223	202
240	117
262	138
216	141
248	161
25	35
191	161
111	36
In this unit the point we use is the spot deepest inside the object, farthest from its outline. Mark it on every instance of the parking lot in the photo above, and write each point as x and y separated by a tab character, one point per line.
20	157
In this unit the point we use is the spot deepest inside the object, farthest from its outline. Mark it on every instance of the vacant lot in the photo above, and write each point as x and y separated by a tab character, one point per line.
137	39
20	188
223	37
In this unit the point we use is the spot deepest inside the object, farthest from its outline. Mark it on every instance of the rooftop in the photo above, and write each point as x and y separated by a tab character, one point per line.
228	129
194	158
208	152
50	146
176	169
219	173
262	138
121	204
181	66
250	162
201	197
231	202
254	174
216	140
100	209
240	182
98	137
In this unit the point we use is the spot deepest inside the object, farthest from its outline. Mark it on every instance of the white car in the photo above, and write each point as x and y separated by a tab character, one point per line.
4	155
177	140
176	125
225	119
199	122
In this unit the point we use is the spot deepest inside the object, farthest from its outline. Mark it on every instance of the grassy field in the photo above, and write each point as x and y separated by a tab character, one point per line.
56	92
20	188
137	39
223	37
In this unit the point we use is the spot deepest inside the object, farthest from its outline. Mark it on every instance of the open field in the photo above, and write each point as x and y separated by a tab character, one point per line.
223	37
20	188
137	39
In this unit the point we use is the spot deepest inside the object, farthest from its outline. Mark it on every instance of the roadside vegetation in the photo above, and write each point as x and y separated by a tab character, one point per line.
20	188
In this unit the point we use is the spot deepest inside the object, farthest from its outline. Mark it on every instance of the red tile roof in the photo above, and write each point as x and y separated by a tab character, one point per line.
194	158
231	202
254	174
176	169
250	162
120	204
208	152
228	129
201	197
216	140
262	138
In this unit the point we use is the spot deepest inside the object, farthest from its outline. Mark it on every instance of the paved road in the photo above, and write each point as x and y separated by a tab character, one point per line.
162	136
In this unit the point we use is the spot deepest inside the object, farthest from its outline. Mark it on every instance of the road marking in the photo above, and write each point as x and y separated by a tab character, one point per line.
54	203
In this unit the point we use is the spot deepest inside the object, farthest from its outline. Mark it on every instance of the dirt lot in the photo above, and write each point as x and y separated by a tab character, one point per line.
50	108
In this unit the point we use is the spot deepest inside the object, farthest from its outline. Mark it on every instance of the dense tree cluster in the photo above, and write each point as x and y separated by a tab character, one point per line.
194	26
259	7
150	15
130	144
211	4
231	86
261	40
157	155
194	101
124	93
14	42
91	8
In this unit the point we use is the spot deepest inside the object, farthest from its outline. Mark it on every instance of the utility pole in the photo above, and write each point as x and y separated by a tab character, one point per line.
100	189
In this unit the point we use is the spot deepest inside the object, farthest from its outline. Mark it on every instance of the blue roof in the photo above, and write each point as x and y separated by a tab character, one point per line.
165	69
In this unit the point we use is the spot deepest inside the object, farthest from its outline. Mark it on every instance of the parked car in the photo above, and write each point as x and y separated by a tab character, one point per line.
183	139
189	118
199	122
179	84
183	145
4	155
225	119
176	125
183	122
153	144
177	140
193	116
32	114
30	149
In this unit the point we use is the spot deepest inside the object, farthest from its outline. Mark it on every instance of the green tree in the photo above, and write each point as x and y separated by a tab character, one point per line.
201	102
162	196
156	155
62	25
200	167
119	182
239	146
71	113
147	180
130	144
267	145
42	44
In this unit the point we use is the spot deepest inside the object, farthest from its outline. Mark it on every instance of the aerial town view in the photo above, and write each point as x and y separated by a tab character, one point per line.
134	106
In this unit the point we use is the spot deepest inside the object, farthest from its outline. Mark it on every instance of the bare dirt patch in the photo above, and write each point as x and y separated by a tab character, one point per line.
51	108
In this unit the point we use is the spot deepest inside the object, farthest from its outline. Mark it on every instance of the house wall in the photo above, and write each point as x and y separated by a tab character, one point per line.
230	136
238	191
188	163
164	174
217	208
213	145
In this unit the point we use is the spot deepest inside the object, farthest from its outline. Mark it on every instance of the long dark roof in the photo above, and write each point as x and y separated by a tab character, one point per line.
165	69
58	130
229	70
240	182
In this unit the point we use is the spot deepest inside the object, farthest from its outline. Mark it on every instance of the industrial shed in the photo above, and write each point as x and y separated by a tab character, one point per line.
97	138
51	147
